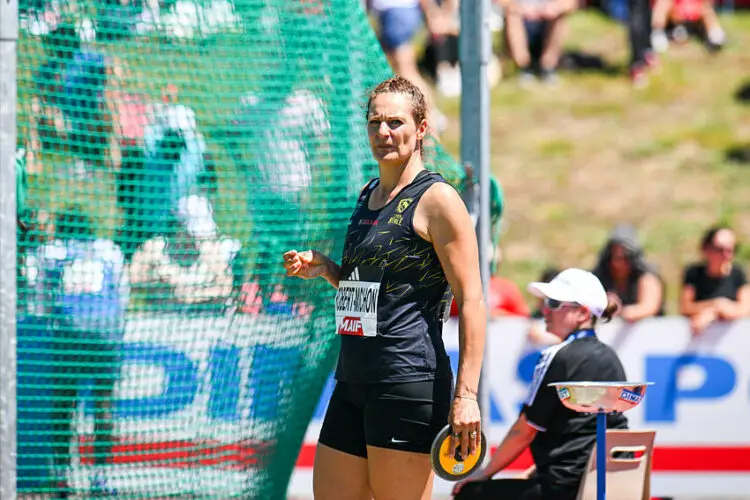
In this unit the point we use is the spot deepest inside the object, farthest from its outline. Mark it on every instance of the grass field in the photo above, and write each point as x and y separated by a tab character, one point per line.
573	160
576	159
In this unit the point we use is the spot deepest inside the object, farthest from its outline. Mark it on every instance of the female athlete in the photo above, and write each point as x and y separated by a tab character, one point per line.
409	238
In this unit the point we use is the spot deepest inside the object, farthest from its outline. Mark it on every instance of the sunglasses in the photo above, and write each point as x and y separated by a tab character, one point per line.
554	304
723	250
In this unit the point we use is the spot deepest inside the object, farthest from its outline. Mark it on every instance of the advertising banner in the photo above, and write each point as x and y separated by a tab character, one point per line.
699	404
194	402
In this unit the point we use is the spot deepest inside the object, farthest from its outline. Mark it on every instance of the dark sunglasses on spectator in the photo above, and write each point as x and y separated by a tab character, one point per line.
724	250
554	304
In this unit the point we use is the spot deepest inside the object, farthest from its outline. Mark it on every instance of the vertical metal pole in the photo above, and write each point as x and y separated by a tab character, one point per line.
474	55
601	455
8	221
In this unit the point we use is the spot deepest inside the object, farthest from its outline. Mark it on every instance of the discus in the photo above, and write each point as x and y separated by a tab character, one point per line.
453	467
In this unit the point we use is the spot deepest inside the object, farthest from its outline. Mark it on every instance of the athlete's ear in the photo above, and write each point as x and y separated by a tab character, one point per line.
422	129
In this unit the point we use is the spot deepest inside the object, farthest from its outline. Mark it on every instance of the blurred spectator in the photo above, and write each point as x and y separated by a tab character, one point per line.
71	107
47	128
639	31
623	270
398	22
278	136
716	288
534	31
538	333
447	72
131	111
683	17
81	289
440	57
740	153
174	134
505	298
168	164
190	269
86	109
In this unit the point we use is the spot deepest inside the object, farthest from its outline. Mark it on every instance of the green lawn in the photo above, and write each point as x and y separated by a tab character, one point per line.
576	159
573	160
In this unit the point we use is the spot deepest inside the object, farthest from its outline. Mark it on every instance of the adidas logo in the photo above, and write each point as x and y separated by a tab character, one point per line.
354	276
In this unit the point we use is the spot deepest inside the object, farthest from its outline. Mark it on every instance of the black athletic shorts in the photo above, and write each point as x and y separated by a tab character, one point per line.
403	416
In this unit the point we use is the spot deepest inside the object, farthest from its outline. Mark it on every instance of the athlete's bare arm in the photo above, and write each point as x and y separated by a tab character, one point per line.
312	264
441	218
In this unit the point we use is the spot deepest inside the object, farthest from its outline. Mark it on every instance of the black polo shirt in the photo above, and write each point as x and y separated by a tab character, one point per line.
562	447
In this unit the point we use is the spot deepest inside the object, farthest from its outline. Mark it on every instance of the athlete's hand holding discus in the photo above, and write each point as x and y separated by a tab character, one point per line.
466	424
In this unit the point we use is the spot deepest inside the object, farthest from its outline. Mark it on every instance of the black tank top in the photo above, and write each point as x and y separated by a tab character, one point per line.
393	296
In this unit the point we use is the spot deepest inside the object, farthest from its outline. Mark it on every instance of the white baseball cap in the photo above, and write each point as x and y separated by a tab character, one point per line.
574	285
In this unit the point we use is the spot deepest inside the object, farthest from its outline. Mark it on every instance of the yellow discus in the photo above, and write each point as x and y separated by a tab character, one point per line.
450	466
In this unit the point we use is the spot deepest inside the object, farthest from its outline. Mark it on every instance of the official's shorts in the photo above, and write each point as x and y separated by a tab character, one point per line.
403	416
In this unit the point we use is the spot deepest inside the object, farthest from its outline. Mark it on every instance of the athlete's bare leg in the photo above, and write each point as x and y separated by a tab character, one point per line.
338	475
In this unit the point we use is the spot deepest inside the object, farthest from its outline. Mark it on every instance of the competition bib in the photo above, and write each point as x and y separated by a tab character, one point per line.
357	305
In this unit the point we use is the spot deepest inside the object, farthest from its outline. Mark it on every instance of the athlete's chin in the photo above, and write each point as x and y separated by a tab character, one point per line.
386	156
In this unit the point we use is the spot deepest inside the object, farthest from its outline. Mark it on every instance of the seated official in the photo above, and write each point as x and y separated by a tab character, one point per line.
560	440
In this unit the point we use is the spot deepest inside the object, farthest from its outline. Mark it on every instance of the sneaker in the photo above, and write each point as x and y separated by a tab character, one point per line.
526	78
449	80
715	39
659	41
549	76
680	34
714	47
496	18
